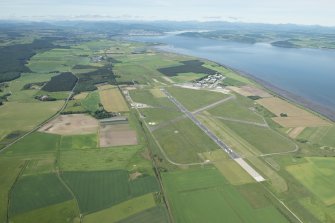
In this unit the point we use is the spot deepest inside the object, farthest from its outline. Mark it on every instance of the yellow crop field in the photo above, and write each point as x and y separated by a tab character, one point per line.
157	93
296	117
112	99
81	96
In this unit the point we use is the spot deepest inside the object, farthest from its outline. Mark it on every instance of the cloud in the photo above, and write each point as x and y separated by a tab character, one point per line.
271	11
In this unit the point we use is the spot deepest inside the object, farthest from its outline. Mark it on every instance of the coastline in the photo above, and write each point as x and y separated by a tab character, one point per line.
297	100
288	96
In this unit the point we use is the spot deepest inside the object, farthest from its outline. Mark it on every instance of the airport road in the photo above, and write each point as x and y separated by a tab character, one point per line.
232	154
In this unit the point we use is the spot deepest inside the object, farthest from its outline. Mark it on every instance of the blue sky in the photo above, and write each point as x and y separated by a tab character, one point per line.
266	11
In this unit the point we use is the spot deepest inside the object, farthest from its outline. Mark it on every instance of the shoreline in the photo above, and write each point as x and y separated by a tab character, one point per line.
299	101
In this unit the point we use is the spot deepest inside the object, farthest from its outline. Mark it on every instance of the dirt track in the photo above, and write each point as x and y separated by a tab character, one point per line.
74	124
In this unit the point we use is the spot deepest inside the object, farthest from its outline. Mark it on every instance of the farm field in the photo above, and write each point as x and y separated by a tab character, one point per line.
81	96
317	175
91	101
36	142
117	135
107	188
249	90
203	195
33	192
70	145
112	99
73	107
58	60
16	116
39	165
77	168
156	214
10	169
322	136
79	142
21	92
58	213
105	159
122	210
145	66
296	117
74	124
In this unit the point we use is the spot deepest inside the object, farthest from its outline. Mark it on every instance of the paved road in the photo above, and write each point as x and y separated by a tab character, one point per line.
232	154
242	121
44	122
213	105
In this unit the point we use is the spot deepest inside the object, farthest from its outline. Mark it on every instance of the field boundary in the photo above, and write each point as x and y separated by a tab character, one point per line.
44	122
26	163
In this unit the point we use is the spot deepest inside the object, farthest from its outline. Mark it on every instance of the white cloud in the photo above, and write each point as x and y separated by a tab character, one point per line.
271	11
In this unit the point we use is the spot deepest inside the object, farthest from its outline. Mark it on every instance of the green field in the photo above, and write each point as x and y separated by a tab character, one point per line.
183	140
10	169
40	166
144	66
58	60
157	214
159	115
105	159
238	108
74	106
102	189
318	209
36	142
53	178
79	142
203	195
60	95
321	136
228	167
122	210
195	99
32	192
57	213
318	176
17	86
16	116
88	104
245	149
146	97
264	139
91	102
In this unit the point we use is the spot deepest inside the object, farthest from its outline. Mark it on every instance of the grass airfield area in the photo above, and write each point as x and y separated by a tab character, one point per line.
166	169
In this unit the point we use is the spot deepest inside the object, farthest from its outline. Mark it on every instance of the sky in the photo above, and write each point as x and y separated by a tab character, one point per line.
306	12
